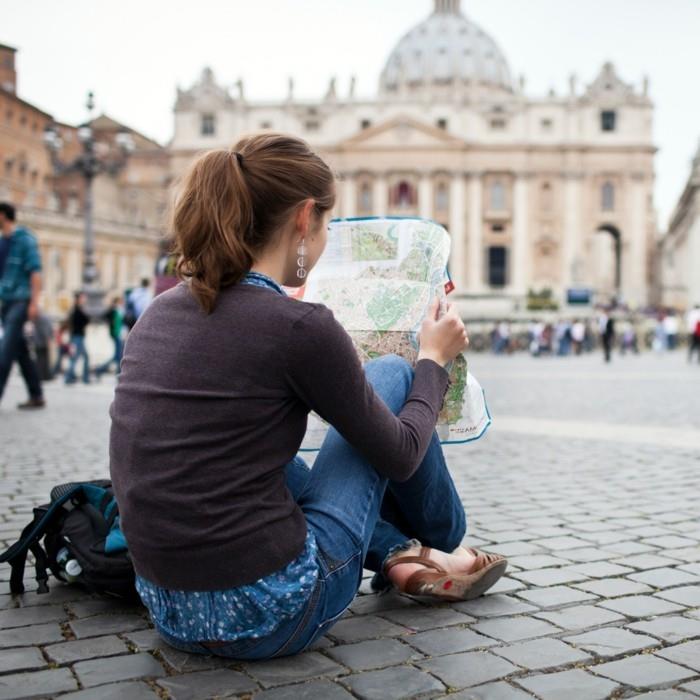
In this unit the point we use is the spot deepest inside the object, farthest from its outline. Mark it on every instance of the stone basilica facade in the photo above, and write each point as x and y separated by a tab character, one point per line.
537	193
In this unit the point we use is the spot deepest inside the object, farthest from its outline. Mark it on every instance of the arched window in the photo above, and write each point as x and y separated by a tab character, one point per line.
365	198
442	198
497	196
403	195
607	202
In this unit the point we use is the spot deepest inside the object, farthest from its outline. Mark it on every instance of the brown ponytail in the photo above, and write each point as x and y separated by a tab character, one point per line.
233	202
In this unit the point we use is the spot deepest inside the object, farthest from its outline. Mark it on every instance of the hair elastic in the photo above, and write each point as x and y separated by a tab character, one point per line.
239	157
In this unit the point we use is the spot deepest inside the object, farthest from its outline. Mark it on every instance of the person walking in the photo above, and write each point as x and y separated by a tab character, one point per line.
63	348
693	325
78	322
139	300
20	287
240	549
607	334
115	321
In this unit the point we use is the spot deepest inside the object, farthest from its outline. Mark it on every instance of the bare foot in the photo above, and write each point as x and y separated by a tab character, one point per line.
460	561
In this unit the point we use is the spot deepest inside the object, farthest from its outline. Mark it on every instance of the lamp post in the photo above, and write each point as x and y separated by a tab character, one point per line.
89	165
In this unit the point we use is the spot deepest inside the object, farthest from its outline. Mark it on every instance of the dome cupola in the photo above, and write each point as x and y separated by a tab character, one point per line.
444	54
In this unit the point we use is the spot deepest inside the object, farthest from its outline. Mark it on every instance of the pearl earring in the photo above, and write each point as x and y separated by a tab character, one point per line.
301	260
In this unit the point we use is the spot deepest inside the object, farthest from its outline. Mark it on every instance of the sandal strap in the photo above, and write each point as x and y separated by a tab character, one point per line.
422	559
483	559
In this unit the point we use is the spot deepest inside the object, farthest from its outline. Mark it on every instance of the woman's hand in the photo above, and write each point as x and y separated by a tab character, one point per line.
444	337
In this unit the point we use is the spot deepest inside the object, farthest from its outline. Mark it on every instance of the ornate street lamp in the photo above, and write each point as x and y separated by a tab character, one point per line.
89	165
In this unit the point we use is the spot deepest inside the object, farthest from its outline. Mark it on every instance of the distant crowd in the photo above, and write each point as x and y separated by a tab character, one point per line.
608	330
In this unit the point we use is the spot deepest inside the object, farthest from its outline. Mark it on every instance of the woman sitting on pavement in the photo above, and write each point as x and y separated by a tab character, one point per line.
240	549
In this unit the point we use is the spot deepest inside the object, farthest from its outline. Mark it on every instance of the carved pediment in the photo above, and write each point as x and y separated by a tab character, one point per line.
403	132
205	95
609	88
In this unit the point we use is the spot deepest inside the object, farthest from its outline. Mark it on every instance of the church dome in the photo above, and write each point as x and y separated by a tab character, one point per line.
445	50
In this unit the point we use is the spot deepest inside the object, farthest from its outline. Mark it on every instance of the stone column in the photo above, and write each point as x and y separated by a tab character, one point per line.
380	195
425	196
634	237
572	236
475	248
457	232
349	203
520	275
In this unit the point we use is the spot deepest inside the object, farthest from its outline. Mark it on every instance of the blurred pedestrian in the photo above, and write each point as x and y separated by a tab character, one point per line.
20	287
693	326
63	349
562	333
660	342
629	338
502	337
607	334
78	322
671	328
139	299
115	322
578	335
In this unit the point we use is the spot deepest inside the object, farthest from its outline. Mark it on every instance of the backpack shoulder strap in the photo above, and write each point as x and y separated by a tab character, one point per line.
16	555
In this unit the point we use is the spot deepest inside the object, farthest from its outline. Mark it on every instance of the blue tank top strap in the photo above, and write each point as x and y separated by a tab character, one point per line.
257	279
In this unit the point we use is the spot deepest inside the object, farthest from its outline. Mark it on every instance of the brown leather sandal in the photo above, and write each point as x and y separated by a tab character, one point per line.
439	584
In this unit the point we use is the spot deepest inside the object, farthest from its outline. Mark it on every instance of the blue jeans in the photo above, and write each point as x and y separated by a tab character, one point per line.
116	358
358	518
13	346
79	350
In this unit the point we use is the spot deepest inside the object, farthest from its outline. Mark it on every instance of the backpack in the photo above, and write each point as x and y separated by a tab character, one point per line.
83	542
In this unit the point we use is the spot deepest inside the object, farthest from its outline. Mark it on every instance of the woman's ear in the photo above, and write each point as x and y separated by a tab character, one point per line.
304	217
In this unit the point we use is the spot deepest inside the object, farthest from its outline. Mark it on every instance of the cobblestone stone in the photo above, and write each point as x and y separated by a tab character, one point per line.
572	685
314	690
555	596
514	629
541	654
468	669
36	684
25	636
131	690
207	684
449	641
688	596
613	587
609	642
641	606
643	671
670	628
664	578
107	624
420	619
375	653
495	605
68	652
580	617
401	681
291	669
21	659
686	654
117	668
491	691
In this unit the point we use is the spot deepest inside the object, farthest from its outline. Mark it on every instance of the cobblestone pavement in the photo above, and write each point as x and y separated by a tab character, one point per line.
588	482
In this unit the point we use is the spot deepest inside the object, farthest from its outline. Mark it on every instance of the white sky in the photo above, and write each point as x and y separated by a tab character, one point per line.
134	53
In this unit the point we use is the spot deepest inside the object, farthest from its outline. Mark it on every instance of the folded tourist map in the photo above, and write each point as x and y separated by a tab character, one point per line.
379	277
